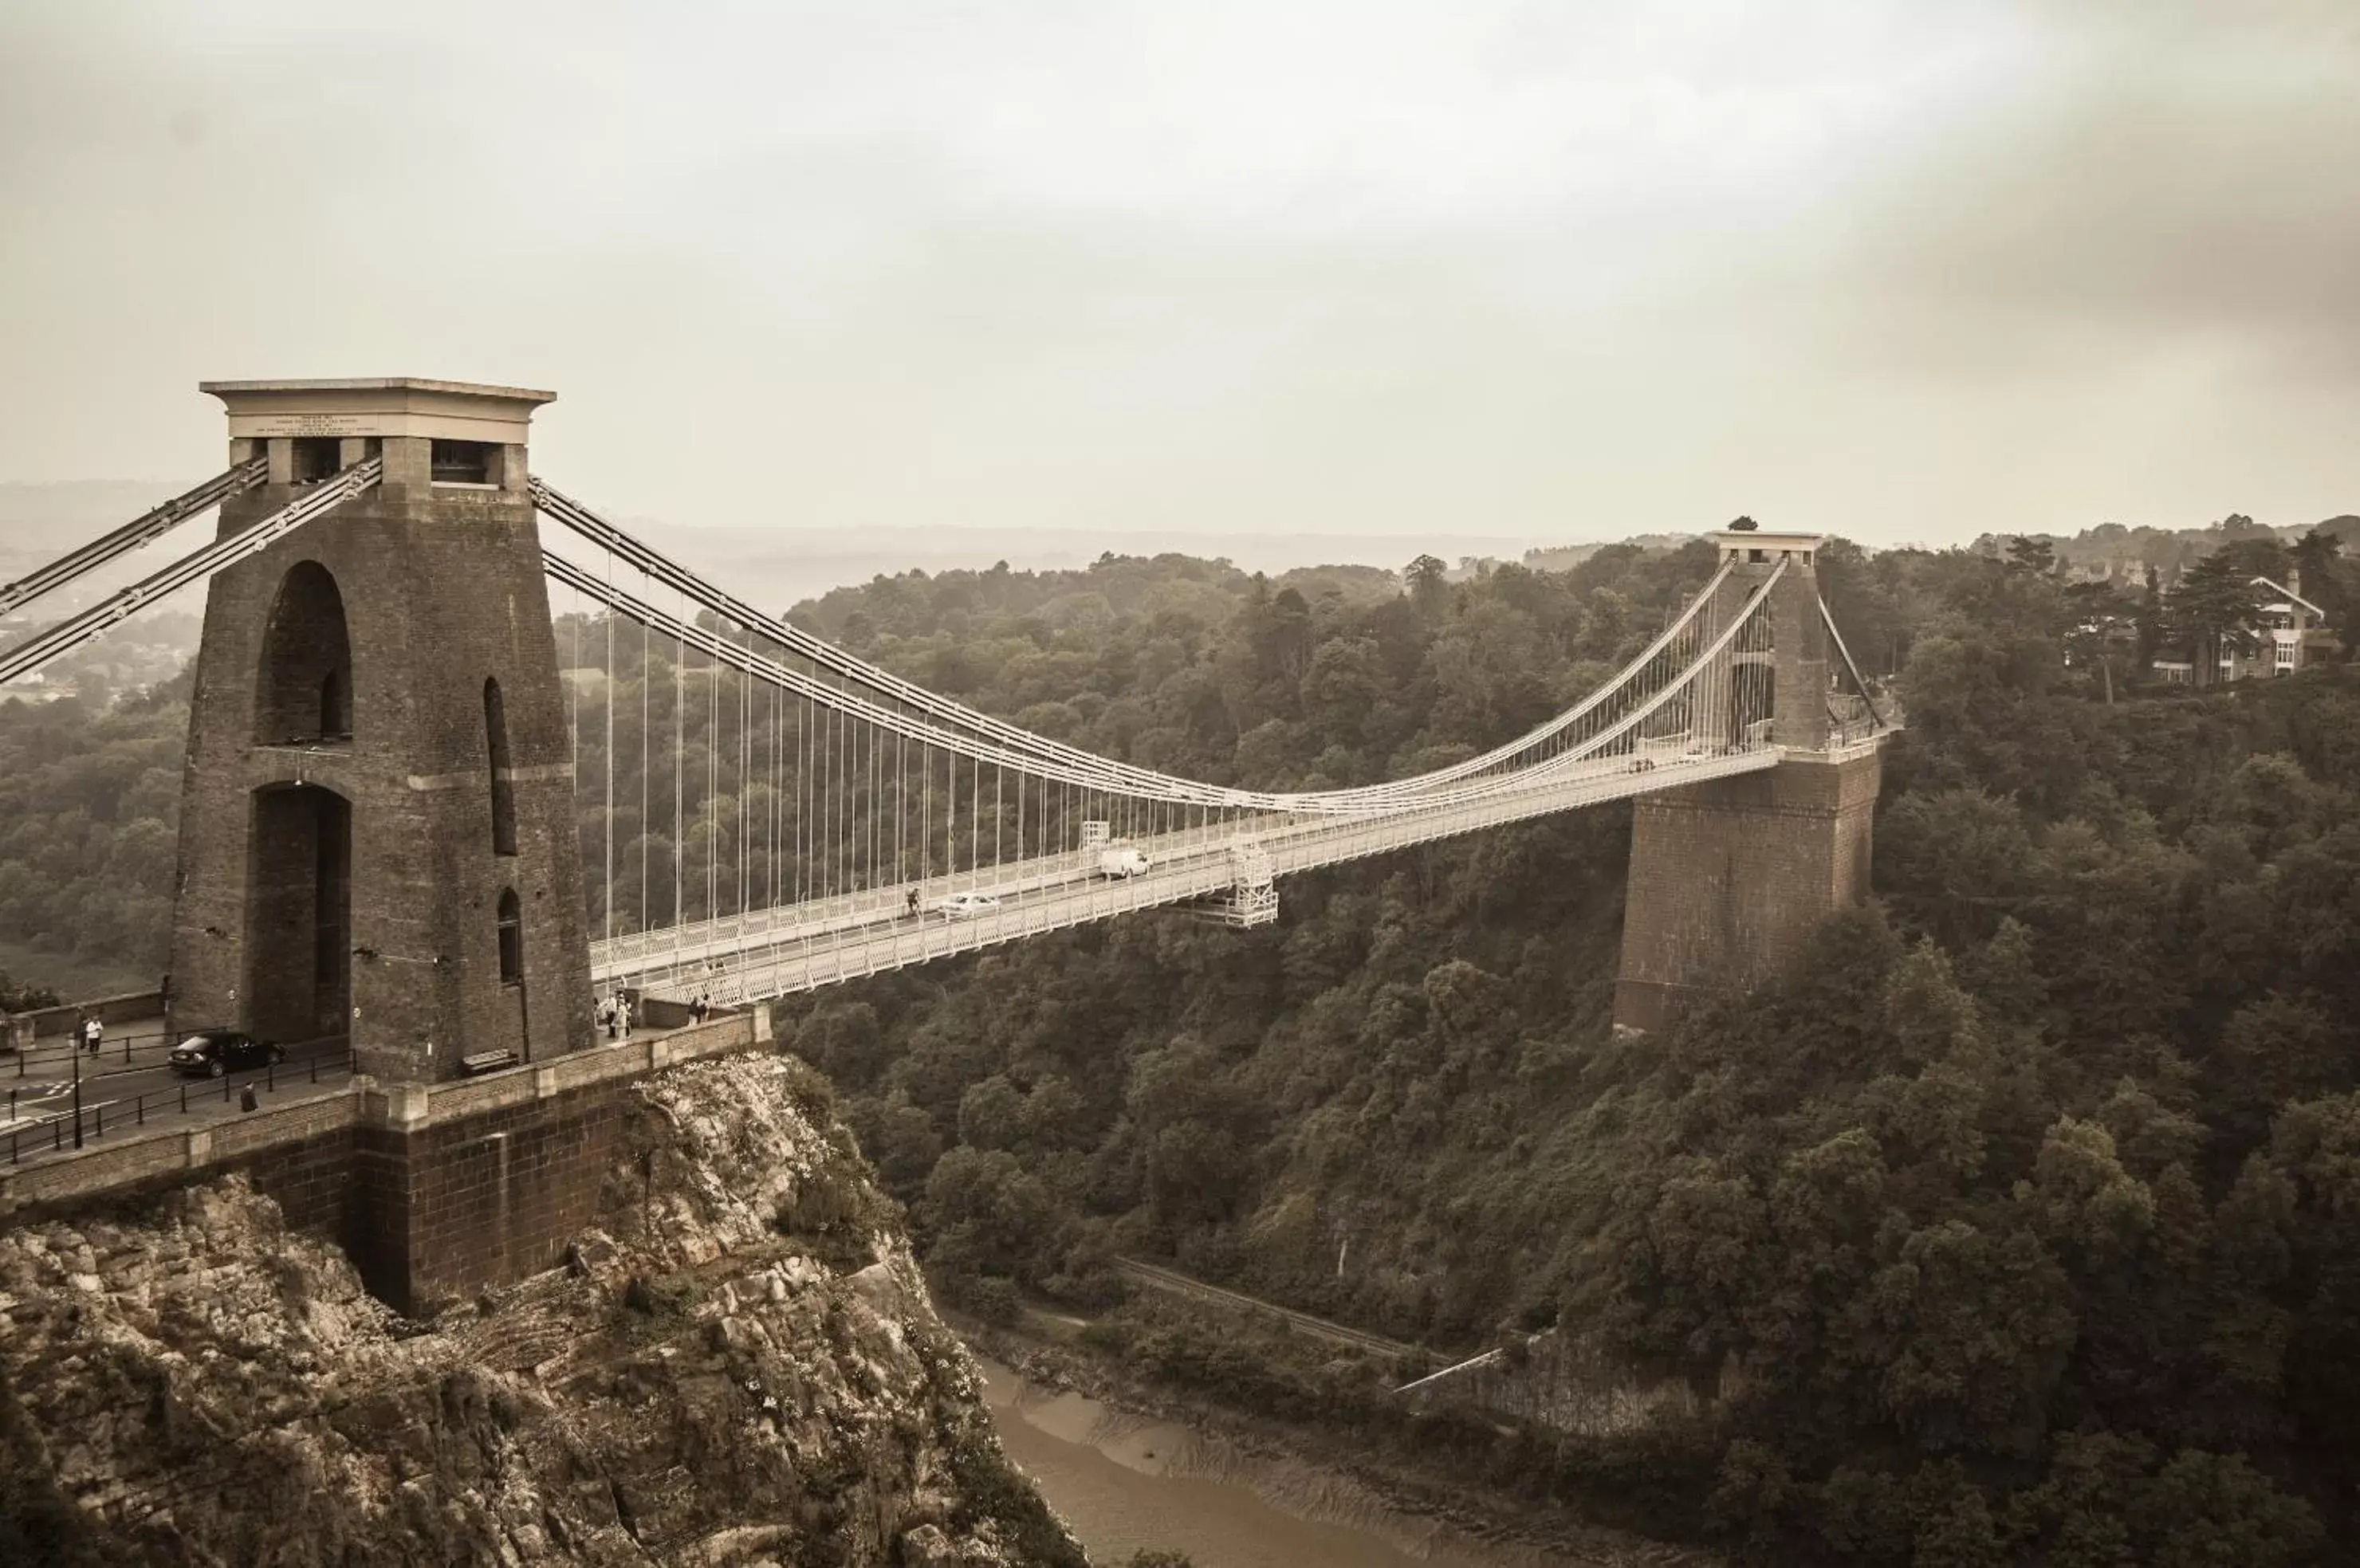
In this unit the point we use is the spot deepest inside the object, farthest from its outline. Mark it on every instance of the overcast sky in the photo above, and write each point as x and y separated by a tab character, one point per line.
1906	270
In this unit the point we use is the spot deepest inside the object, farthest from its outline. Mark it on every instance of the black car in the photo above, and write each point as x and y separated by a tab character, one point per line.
209	1053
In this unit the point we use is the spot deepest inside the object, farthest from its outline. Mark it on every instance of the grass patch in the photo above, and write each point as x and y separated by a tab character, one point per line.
75	978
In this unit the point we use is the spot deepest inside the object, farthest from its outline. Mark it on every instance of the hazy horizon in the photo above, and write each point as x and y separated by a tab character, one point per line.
1470	273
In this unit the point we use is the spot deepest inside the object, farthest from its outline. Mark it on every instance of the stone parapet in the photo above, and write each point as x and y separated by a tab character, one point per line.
121	1163
38	1023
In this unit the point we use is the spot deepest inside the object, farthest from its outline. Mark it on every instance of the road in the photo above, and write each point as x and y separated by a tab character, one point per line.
36	1120
1159	1278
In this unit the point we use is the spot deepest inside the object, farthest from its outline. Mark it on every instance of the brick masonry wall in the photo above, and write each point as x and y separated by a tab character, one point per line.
1727	878
46	1023
301	1154
310	1178
491	1181
449	1208
435	1191
442	589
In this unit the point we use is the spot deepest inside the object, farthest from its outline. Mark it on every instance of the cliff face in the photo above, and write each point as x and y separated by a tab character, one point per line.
739	1367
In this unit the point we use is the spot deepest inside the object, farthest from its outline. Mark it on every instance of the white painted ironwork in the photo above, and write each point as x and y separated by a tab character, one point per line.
143	529
71	633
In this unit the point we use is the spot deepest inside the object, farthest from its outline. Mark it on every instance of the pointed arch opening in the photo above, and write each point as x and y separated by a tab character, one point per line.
503	782
305	693
511	929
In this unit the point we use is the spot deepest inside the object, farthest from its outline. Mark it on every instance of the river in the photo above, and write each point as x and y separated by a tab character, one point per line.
1124	1483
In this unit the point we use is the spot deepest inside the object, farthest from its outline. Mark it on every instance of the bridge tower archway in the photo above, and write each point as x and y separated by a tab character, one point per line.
304	688
297	954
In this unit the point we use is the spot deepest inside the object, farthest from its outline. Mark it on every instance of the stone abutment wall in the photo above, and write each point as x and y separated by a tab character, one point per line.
1727	878
435	1191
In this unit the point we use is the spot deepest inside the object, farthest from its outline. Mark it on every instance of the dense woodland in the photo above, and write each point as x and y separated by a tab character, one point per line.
2016	1222
2113	549
90	803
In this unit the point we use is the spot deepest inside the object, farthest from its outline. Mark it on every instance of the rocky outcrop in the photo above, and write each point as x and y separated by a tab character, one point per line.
740	1365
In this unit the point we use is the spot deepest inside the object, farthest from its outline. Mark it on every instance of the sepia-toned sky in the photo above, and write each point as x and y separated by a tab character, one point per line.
1908	269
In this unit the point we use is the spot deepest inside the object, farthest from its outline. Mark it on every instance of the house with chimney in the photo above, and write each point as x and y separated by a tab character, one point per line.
2288	633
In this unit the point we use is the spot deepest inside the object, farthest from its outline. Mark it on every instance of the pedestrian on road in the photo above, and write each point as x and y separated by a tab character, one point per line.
92	1033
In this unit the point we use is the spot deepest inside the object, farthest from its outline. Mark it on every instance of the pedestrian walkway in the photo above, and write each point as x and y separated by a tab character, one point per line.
132	1042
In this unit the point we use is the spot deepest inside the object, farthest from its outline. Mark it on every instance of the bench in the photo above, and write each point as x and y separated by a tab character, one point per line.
488	1062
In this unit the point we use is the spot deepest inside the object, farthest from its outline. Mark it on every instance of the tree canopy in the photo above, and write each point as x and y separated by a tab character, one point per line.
2006	1226
2012	1224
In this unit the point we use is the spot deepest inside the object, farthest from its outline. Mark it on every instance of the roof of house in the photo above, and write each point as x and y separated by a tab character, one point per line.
2292	594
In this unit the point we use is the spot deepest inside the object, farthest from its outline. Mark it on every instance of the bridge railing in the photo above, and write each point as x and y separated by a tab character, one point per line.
802	961
120	1049
1852	733
49	1123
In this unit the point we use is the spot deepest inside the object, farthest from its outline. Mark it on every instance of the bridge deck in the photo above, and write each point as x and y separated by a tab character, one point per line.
801	947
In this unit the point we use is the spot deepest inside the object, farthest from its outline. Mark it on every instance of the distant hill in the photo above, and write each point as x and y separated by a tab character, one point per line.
781	567
2118	553
1566	556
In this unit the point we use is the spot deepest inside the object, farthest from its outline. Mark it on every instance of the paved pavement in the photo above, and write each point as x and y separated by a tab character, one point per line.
132	1043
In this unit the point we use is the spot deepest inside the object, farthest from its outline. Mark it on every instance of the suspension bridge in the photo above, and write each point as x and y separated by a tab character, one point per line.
863	823
465	753
878	824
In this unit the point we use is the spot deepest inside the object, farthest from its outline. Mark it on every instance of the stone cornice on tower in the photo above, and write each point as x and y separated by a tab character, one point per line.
378	406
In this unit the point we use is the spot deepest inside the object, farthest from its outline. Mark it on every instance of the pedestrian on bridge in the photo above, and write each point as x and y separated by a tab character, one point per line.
606	1016
623	1013
93	1034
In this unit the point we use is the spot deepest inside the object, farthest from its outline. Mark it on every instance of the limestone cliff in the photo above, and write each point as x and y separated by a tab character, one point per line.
738	1367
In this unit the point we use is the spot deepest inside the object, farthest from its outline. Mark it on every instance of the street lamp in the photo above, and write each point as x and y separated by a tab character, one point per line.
76	1054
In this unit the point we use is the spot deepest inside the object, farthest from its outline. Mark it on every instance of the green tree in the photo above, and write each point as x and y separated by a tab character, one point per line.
2213	610
1429	587
2325	579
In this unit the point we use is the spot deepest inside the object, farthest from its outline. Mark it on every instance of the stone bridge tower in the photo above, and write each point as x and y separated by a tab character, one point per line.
1728	876
376	818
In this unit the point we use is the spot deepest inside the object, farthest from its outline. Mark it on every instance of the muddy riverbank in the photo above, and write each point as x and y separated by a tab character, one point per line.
1124	1482
1129	1467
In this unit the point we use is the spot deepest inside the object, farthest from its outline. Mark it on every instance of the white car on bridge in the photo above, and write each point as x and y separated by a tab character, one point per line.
965	906
1123	860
